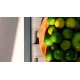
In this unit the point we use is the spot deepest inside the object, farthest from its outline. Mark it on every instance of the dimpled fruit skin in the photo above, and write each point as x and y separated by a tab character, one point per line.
59	23
54	47
76	41
47	41
51	21
58	54
67	33
49	56
70	55
51	30
70	23
65	45
56	37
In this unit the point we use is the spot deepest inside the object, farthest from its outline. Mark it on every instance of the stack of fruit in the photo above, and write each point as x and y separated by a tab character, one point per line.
63	39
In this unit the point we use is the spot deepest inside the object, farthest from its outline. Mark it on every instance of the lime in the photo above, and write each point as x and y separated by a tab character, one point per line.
49	56
58	54
67	33
78	59
71	55
51	20
76	41
56	37
65	45
59	23
70	23
51	30
54	47
48	41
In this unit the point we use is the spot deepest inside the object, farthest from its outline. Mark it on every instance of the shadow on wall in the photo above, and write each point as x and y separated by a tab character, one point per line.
8	27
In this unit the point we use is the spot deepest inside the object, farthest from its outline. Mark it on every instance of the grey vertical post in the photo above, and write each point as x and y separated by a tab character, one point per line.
27	39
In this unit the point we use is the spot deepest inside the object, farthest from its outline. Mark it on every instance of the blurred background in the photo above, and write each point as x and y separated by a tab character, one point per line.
11	39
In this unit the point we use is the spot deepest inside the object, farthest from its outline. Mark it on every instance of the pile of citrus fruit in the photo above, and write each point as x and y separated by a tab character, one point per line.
63	39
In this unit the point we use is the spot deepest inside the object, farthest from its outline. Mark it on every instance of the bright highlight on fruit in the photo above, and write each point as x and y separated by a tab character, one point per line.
51	30
56	37
71	55
49	56
59	23
51	21
48	41
58	54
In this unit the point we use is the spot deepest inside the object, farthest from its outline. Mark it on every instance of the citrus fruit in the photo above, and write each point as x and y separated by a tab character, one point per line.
70	23
70	55
49	56
76	41
48	41
65	44
56	37
67	33
54	47
59	23
58	54
51	20
51	30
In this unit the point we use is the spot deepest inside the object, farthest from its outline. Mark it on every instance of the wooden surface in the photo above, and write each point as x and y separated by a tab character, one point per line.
36	52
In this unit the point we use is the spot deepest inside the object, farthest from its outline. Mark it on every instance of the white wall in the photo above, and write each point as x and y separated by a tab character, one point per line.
18	49
8	28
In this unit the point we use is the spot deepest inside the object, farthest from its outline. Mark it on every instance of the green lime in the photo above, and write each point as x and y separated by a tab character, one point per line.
48	41
58	54
49	56
65	45
76	41
70	55
56	37
70	23
54	47
67	33
59	23
51	30
78	59
51	20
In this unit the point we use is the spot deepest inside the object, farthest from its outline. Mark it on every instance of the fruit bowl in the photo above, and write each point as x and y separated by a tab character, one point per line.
65	35
42	32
